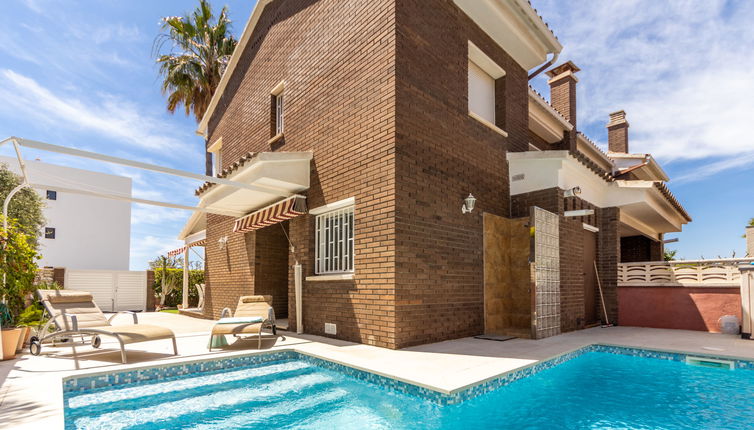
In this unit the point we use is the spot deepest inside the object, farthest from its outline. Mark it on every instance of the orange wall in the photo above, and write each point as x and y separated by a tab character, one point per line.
677	307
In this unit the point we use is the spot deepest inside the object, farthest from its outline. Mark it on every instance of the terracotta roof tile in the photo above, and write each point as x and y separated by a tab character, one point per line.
227	171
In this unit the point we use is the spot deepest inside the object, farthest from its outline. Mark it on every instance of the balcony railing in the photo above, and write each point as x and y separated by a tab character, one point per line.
683	273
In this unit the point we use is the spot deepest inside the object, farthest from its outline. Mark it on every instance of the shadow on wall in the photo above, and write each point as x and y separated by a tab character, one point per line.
677	307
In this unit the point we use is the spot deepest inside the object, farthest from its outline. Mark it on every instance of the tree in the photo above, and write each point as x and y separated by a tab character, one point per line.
200	49
25	207
18	267
750	224
167	283
670	254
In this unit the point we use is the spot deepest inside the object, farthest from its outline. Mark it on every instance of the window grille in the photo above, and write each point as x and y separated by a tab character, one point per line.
279	113
334	249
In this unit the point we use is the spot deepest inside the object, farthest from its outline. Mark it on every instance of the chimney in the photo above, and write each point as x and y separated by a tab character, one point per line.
563	90
750	241
617	132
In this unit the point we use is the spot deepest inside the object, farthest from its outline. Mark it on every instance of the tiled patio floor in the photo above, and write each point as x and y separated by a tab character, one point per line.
31	394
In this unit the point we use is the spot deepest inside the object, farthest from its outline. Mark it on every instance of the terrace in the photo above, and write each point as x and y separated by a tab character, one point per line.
31	395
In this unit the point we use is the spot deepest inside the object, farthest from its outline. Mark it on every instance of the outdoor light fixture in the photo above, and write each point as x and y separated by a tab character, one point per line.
468	204
575	191
222	242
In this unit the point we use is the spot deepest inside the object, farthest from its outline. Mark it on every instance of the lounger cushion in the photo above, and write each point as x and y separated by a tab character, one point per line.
138	332
63	296
254	306
237	328
240	320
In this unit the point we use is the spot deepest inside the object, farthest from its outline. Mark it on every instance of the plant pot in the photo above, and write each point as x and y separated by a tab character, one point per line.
22	338
10	341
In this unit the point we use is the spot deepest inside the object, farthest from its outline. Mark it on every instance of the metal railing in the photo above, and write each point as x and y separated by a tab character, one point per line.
683	273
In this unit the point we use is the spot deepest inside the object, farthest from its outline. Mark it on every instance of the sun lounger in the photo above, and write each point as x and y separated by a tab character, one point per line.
253	313
74	313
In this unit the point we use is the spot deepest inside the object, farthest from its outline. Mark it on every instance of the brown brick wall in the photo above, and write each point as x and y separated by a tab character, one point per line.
563	97
442	155
229	271
608	256
338	65
640	248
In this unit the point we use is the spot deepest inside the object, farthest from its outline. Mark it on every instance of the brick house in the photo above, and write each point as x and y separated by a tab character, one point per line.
383	116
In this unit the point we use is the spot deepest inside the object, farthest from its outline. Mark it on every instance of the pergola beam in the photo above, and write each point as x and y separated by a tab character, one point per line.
42	146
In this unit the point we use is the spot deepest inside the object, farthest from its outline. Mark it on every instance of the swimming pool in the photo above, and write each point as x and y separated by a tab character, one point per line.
595	387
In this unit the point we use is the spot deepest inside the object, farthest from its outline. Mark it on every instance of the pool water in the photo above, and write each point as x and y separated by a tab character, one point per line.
596	390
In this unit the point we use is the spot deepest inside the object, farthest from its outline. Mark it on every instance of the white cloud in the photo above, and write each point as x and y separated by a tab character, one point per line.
681	70
108	115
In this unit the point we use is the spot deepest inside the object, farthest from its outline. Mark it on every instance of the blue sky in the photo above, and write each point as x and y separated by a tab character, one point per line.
81	74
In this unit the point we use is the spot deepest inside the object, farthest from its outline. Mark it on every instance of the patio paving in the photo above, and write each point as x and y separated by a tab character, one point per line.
31	390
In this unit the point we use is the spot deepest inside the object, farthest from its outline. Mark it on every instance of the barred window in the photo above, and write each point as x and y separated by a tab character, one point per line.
279	114
334	242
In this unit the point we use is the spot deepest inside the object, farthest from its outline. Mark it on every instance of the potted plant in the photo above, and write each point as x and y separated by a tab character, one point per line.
17	271
31	318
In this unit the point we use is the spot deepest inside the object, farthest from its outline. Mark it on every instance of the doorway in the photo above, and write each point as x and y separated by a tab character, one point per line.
590	277
271	266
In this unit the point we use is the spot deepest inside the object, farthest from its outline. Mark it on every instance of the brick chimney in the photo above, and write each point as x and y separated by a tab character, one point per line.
563	90
750	241
617	132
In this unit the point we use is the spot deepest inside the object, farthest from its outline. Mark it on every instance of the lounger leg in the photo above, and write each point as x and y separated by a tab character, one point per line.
175	347
259	344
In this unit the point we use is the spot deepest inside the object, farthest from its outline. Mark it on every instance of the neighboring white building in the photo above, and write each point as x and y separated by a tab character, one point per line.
82	232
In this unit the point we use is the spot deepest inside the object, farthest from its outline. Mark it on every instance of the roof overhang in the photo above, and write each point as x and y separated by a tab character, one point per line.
588	148
516	27
196	224
644	166
274	175
642	204
544	121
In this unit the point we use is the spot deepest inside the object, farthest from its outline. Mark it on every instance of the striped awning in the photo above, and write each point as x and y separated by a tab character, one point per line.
182	249
272	214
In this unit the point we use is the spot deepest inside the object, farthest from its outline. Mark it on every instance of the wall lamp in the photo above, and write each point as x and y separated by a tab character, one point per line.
575	191
222	242
468	204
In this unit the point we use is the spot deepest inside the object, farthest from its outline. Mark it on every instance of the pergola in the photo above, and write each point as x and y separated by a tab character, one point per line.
273	181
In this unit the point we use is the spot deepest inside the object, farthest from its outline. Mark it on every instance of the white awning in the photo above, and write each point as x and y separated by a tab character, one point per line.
273	175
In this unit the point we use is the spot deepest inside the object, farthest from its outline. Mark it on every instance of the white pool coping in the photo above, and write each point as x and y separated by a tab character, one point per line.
31	387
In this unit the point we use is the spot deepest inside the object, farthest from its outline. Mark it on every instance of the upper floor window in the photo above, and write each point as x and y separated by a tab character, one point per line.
481	93
52	195
483	76
334	245
278	109
49	233
217	157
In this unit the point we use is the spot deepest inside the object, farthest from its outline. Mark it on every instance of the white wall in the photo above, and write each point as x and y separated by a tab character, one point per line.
90	232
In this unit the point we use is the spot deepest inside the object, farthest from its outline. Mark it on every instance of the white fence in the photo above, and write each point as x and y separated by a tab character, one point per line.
683	273
113	290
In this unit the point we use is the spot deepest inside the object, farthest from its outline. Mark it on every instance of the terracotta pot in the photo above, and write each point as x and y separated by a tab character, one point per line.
24	333
28	335
10	341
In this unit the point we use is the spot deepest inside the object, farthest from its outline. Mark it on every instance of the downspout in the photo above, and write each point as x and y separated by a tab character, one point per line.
542	68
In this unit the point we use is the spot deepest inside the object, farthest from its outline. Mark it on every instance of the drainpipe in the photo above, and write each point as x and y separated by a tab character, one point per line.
545	66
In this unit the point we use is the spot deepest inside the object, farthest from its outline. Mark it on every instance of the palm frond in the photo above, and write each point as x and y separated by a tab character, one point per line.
200	48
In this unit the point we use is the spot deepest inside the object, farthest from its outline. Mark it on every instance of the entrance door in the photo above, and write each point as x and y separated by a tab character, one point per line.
590	277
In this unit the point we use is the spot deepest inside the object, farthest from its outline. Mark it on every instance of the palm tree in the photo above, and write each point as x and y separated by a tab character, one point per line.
200	48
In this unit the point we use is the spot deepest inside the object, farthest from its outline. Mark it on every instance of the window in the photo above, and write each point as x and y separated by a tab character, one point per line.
277	116
49	233
52	195
217	158
334	250
481	93
483	77
217	163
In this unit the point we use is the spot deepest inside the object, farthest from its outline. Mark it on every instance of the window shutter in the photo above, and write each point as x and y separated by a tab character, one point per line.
481	93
